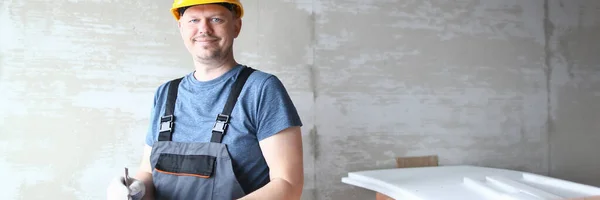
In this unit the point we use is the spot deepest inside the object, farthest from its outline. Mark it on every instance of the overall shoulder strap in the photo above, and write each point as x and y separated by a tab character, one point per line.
167	120
220	127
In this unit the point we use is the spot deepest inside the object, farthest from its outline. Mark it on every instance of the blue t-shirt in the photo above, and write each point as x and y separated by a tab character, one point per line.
263	109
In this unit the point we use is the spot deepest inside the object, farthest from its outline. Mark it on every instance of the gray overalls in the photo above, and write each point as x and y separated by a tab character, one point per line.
195	171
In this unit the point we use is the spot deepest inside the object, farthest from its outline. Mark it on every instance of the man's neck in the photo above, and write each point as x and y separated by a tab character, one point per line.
210	71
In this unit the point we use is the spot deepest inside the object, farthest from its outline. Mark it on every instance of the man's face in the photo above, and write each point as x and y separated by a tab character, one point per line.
208	31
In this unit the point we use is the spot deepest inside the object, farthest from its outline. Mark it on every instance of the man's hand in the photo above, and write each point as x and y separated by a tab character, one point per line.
141	186
117	189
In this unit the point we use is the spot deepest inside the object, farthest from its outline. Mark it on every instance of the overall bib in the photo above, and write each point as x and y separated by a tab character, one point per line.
195	171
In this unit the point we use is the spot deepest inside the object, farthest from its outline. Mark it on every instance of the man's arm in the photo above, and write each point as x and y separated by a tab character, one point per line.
283	154
145	174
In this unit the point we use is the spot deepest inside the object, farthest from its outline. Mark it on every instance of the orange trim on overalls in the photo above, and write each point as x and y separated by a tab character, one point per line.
182	174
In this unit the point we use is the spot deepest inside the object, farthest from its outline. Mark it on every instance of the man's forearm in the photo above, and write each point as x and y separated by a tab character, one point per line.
277	189
147	179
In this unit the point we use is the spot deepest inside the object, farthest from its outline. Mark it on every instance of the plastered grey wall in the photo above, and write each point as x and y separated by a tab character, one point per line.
574	65
509	84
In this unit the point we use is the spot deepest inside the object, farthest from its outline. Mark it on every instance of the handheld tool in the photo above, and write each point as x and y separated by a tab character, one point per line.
127	182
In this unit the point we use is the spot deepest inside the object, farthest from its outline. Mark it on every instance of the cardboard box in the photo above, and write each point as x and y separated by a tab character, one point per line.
408	162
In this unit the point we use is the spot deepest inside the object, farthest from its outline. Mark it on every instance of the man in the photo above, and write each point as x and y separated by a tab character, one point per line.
224	131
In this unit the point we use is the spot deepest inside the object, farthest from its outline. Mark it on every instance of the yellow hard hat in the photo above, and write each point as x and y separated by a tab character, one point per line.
185	3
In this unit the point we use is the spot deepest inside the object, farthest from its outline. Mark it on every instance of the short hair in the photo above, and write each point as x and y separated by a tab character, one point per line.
231	7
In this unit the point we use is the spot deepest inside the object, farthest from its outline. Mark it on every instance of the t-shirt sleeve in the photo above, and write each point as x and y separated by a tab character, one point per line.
276	111
152	123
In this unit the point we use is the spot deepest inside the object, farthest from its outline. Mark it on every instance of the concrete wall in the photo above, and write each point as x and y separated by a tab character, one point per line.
574	59
510	84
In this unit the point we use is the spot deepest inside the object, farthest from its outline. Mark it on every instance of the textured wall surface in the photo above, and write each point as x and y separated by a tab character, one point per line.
574	60
509	84
461	79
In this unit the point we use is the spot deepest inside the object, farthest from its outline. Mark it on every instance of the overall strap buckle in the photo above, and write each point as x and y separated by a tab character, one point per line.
220	128
222	122
166	125
165	131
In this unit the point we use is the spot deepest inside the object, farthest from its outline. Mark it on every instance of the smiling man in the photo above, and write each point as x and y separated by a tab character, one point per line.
223	131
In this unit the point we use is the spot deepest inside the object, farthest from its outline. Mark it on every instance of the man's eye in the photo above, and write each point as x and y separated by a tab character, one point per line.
216	20
194	21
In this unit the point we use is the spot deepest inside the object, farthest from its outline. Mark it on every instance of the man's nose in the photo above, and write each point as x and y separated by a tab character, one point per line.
204	27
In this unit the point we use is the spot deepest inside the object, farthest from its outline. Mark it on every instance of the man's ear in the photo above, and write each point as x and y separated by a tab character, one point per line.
179	27
238	27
